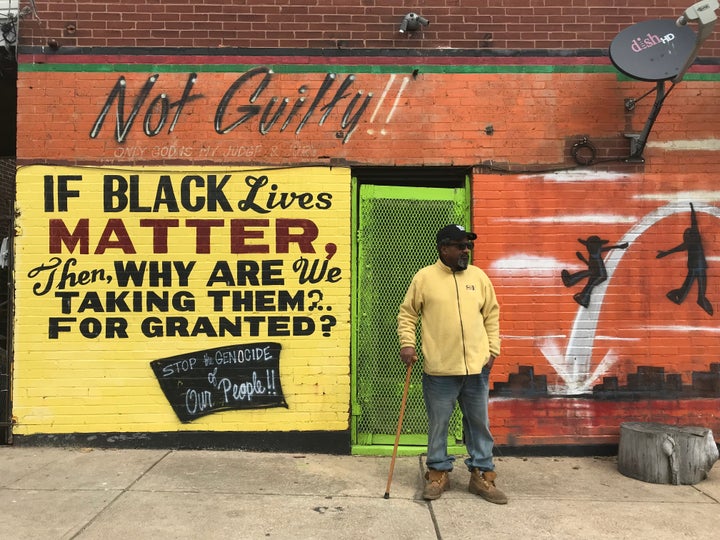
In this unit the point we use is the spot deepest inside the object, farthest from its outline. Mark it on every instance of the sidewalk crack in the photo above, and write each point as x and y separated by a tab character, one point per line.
120	493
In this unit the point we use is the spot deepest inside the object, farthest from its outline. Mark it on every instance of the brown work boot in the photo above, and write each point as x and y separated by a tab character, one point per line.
436	483
483	483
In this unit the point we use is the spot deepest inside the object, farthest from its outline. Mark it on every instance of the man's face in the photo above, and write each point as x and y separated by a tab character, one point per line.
456	254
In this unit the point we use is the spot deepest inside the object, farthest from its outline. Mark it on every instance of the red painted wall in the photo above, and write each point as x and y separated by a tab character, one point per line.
631	354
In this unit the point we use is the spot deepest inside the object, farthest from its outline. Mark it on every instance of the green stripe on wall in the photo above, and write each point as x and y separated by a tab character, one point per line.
338	68
314	68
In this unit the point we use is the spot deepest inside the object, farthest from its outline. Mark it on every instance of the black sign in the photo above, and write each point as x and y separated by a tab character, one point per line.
652	50
235	377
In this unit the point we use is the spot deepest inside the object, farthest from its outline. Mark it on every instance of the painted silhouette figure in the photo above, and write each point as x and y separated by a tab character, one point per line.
696	264
596	272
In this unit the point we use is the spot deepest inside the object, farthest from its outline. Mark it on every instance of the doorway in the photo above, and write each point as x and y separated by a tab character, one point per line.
396	223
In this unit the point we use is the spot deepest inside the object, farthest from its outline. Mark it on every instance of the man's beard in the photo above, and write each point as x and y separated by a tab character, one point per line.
462	263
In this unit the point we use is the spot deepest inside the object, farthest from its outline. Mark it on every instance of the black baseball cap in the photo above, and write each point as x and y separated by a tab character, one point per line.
454	233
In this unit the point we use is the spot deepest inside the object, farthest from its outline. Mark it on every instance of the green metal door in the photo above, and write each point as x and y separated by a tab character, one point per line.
396	237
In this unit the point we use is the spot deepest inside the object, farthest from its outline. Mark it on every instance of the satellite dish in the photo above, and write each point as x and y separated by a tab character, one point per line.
660	50
655	50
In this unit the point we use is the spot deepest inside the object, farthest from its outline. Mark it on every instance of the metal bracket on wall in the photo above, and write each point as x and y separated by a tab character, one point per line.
635	148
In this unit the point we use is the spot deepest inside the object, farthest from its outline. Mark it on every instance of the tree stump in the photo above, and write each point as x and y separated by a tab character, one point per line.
663	454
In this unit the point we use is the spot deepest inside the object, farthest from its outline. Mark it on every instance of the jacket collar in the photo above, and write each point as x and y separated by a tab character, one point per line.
444	267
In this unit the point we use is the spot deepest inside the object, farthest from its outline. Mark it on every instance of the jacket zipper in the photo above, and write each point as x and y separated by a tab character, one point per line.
462	328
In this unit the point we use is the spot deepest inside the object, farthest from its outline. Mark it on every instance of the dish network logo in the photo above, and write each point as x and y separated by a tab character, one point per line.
640	44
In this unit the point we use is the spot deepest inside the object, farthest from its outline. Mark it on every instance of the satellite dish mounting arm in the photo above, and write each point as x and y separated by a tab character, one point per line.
638	141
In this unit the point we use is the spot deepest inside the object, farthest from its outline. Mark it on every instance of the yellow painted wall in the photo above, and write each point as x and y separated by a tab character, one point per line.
80	228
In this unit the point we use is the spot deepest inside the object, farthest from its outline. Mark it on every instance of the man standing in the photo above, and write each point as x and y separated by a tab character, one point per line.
460	335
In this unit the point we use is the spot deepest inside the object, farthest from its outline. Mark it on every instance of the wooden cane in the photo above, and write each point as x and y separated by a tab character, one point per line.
399	429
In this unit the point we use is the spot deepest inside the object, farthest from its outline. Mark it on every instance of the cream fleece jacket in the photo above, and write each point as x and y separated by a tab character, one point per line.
460	319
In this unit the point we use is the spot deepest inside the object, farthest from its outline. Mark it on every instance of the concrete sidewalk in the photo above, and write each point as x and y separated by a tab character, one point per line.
55	493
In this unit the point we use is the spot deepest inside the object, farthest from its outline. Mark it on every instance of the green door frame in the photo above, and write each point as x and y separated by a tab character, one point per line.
383	445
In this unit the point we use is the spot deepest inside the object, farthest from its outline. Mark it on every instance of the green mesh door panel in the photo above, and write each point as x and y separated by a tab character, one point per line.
396	237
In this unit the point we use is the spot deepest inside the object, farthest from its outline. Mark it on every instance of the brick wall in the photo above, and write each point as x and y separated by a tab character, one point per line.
439	117
631	352
341	24
513	108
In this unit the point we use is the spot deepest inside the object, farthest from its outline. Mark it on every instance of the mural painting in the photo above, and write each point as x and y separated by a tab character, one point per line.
623	341
204	382
596	272
210	110
245	103
150	296
696	264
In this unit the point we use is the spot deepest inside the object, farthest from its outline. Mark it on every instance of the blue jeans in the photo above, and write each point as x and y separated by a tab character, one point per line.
471	392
